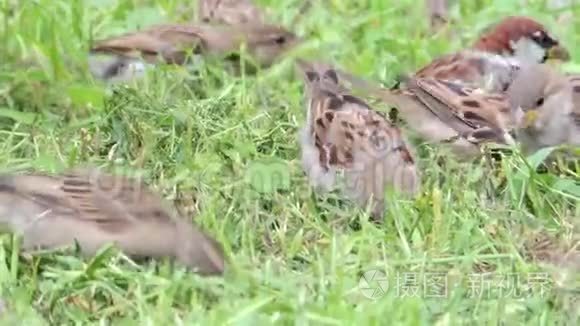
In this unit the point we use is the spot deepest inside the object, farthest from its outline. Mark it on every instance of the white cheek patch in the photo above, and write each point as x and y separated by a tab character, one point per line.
527	51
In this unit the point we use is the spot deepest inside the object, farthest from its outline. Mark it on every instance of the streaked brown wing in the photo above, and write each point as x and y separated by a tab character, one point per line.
465	107
454	67
350	127
343	124
42	190
112	201
429	93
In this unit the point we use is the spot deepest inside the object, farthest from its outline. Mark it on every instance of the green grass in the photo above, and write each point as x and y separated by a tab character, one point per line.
294	258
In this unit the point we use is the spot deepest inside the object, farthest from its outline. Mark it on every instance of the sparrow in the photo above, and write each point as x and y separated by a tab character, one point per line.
92	208
229	12
448	112
496	57
127	56
344	136
550	102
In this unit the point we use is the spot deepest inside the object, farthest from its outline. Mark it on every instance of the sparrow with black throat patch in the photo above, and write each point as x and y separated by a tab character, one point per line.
499	53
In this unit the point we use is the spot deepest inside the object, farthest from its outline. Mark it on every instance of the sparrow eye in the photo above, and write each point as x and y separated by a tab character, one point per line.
540	101
280	40
544	40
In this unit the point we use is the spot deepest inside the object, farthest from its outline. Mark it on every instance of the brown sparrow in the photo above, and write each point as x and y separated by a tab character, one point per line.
344	135
495	58
551	105
93	209
442	111
229	12
126	56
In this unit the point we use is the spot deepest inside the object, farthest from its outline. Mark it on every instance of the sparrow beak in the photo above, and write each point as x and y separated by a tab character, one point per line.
558	52
530	117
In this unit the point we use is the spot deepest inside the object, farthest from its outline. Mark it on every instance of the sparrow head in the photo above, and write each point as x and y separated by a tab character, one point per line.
523	38
541	94
199	251
319	77
268	42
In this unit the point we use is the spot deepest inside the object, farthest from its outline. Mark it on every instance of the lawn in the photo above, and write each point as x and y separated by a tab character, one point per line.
204	138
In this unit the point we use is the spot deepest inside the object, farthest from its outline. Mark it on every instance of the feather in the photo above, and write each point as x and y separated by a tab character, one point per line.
344	135
94	208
